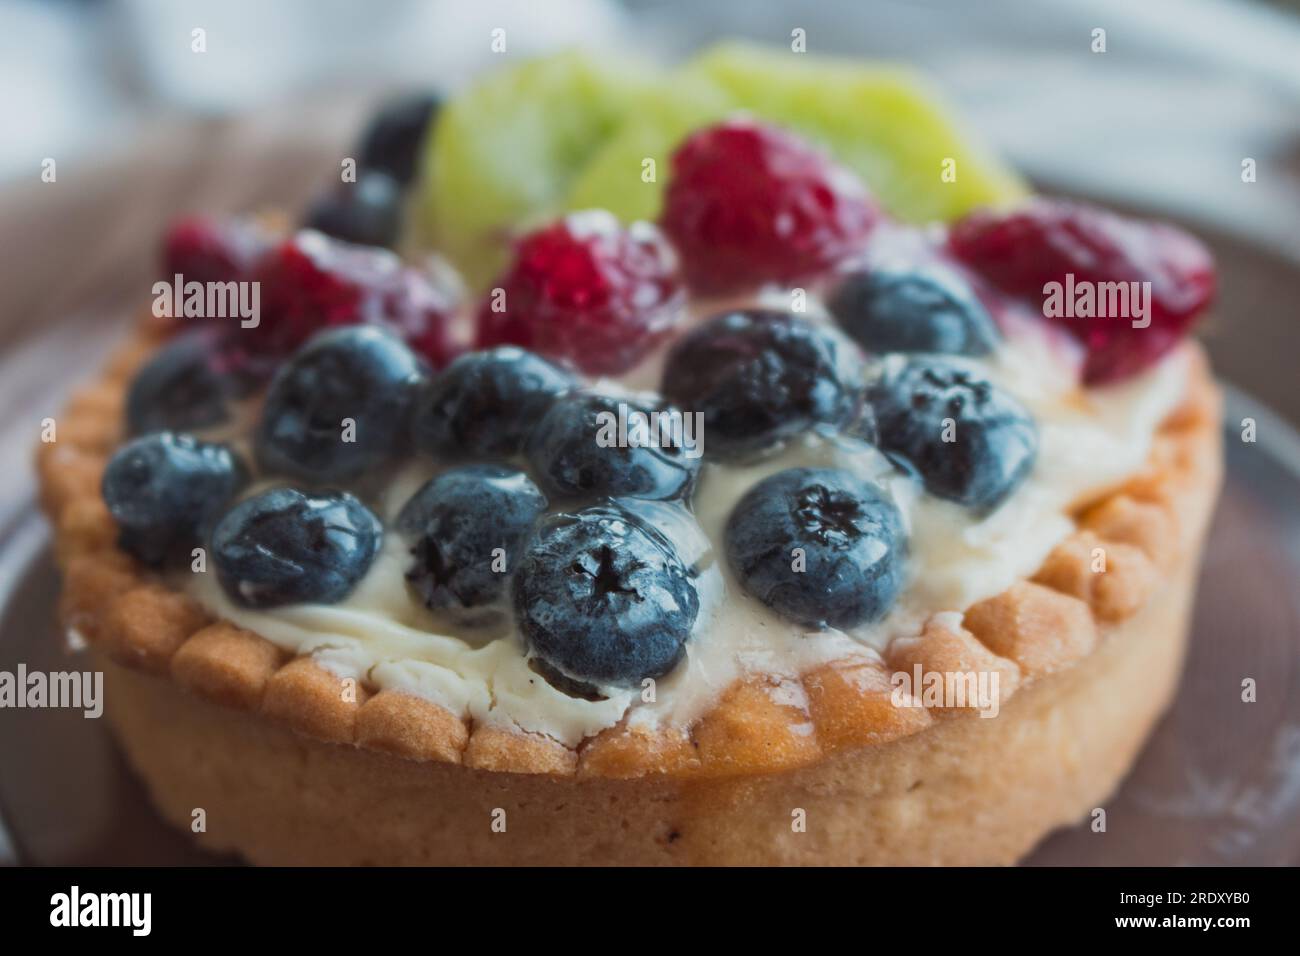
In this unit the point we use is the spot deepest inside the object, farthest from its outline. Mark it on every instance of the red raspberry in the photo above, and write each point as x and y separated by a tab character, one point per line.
749	204
311	282
204	249
588	290
1023	250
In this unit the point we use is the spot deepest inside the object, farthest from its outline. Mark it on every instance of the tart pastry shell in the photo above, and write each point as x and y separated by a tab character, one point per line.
294	766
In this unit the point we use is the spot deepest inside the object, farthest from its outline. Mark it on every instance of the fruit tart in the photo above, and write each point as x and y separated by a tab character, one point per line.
762	475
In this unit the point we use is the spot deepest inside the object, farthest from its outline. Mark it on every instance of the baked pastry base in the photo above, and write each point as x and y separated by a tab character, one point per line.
292	765
966	791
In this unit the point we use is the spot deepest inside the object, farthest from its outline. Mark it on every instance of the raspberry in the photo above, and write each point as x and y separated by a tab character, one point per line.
1023	250
587	290
749	204
203	249
311	282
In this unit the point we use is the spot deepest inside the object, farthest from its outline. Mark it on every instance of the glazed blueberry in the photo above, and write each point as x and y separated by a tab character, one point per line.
186	385
340	407
760	377
969	441
456	523
603	598
674	521
484	404
565	685
819	546
600	446
912	310
367	212
164	490
392	141
286	546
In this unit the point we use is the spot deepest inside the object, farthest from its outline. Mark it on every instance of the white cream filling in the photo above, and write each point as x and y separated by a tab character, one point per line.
1090	440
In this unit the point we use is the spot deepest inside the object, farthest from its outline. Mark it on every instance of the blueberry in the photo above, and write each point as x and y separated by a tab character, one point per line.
367	212
592	446
913	310
760	377
565	685
819	546
286	546
484	404
164	489
392	141
602	597
456	522
968	440
674	521
183	388
340	407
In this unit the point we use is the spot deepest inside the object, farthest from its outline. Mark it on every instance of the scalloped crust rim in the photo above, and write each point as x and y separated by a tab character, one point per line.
964	792
1040	626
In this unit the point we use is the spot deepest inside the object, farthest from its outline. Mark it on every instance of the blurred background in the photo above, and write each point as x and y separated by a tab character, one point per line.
1184	87
142	128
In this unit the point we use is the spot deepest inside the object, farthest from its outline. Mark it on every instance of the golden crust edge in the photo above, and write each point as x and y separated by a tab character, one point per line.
762	723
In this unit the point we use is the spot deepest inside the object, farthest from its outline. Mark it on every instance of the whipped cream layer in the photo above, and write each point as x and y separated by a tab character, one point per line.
1090	440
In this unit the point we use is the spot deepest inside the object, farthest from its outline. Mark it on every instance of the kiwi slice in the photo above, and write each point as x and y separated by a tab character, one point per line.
883	122
574	131
627	173
505	151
